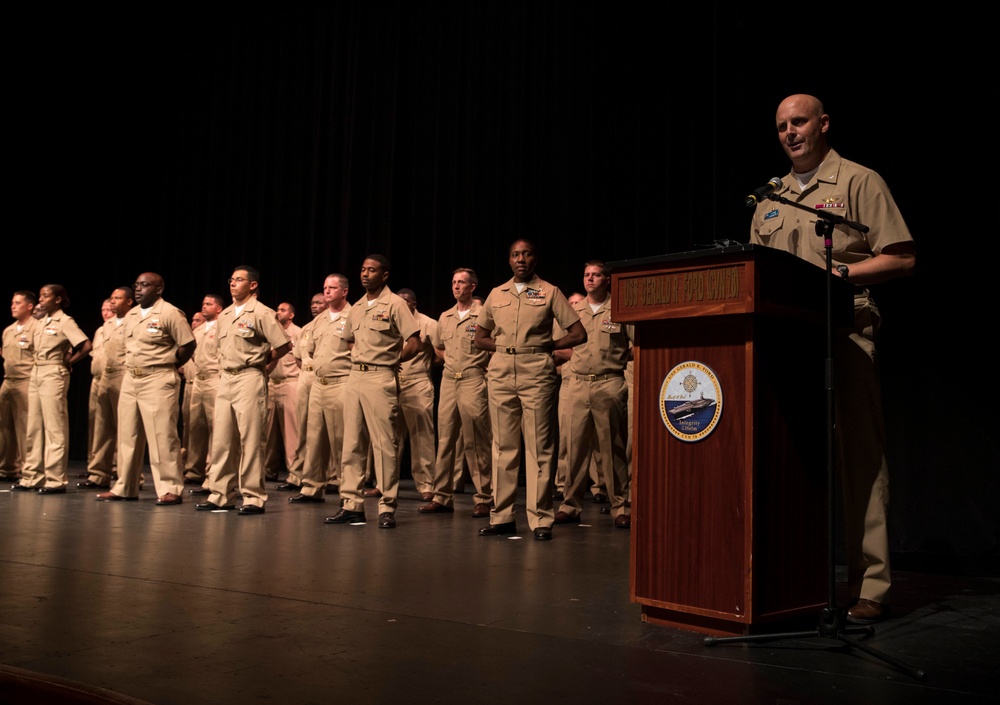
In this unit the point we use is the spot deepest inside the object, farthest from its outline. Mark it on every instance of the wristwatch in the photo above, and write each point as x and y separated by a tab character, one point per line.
844	271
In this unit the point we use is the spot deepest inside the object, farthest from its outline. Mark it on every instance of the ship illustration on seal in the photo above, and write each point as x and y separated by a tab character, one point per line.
688	408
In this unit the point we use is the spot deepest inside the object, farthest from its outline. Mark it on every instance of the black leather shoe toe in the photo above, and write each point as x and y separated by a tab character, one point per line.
346	516
499	529
306	499
543	533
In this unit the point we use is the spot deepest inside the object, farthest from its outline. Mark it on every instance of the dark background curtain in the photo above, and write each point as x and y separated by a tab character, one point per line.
186	141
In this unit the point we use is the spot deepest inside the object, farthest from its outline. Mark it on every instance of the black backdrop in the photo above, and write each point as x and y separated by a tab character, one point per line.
185	141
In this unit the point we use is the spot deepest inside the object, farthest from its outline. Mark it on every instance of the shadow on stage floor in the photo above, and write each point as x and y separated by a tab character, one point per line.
171	606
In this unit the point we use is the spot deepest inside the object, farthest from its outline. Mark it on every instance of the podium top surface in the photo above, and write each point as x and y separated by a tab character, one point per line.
728	280
696	254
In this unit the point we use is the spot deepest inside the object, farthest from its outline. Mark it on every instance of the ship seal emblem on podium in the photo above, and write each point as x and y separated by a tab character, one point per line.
690	401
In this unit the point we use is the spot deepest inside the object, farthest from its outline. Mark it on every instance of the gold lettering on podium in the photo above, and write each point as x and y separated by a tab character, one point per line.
718	284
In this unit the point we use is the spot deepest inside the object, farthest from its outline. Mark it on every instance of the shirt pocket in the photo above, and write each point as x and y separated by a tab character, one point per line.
504	314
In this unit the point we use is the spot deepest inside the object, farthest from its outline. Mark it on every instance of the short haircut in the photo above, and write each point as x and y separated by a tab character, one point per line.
527	242
473	277
252	274
128	291
29	296
407	292
344	282
217	298
290	305
382	260
605	269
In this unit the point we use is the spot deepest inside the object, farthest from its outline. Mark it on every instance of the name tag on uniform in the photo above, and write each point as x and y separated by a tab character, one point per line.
771	214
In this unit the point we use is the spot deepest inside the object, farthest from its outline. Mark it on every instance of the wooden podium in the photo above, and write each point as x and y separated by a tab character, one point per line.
729	512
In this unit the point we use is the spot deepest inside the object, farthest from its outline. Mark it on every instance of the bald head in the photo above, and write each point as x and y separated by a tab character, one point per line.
148	289
802	126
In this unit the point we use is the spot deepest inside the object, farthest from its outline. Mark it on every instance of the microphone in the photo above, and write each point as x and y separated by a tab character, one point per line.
763	192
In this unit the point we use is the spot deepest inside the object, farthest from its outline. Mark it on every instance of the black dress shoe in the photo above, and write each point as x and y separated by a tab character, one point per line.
346	516
212	506
543	533
508	527
606	509
91	485
288	487
600	498
386	521
51	490
22	488
200	492
306	499
248	509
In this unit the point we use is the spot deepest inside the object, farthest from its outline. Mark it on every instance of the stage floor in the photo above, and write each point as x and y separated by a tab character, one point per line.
175	607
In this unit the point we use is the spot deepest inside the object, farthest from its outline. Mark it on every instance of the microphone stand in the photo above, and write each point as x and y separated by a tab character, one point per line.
832	620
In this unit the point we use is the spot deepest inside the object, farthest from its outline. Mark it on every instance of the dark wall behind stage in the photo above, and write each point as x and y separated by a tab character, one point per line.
186	141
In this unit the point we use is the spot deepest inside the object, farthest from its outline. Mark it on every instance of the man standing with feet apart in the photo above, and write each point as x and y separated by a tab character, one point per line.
384	334
158	340
516	324
463	406
251	341
596	399
327	347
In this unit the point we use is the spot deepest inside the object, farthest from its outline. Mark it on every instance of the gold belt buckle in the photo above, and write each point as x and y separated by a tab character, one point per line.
363	367
458	375
591	378
510	350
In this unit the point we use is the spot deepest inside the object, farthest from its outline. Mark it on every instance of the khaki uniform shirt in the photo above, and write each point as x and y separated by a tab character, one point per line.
154	340
523	321
112	335
206	353
247	338
420	365
455	335
379	331
54	337
607	346
839	187
327	345
286	369
97	362
19	350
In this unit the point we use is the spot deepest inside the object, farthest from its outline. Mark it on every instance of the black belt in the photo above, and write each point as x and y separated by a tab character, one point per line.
511	350
365	367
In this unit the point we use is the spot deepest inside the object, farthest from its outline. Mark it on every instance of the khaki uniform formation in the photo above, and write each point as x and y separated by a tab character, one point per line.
348	409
